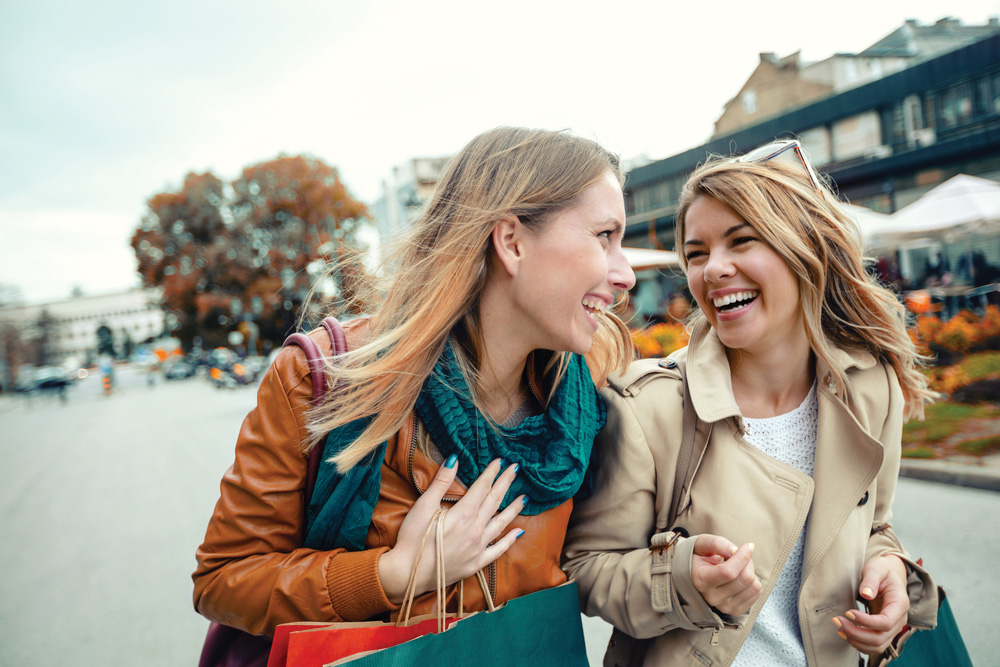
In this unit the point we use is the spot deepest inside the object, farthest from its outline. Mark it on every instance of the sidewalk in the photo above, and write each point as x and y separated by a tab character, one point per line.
973	472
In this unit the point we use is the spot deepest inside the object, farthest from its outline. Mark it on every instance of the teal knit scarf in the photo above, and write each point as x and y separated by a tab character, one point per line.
552	450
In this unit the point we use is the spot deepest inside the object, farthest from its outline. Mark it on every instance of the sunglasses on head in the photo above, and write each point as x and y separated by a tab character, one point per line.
789	150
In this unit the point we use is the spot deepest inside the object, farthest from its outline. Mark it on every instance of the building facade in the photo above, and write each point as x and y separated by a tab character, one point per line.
884	143
68	329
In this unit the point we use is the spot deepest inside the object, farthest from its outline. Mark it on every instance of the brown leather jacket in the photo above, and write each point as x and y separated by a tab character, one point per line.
253	575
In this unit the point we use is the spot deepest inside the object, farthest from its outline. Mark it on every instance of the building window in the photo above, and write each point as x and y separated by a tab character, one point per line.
956	105
749	99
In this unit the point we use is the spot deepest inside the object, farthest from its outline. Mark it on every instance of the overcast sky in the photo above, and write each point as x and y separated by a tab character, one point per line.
107	102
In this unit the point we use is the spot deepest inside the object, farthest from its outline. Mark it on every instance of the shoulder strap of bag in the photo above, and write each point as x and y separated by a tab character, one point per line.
623	649
318	375
684	473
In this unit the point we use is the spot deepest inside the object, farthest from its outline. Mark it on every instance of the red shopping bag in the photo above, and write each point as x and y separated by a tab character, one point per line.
318	644
310	644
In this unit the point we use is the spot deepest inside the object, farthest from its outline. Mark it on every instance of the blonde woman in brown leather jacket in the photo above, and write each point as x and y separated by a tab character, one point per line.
472	386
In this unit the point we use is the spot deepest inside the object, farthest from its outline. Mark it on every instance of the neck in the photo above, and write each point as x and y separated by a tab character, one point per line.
501	388
772	384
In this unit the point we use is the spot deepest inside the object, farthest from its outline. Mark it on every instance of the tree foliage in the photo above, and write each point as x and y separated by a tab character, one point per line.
246	250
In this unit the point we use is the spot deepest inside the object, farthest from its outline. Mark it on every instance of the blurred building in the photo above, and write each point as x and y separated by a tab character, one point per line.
888	124
405	192
68	329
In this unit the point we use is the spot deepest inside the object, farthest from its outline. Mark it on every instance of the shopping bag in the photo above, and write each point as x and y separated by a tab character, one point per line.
311	644
941	646
542	628
318	644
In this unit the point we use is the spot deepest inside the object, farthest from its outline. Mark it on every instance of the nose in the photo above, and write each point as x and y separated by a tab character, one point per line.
718	266
620	273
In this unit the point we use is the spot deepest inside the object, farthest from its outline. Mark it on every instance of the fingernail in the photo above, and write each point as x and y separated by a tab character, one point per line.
503	463
850	615
867	592
842	635
752	547
732	550
517	466
525	500
520	534
836	621
450	463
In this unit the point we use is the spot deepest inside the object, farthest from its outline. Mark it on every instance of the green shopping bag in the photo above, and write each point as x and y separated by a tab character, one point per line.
543	628
941	646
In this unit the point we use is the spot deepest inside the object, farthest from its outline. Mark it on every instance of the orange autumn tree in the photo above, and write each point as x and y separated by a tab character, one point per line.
246	251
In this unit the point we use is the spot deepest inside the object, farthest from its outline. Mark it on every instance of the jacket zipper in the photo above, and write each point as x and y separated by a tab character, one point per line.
491	578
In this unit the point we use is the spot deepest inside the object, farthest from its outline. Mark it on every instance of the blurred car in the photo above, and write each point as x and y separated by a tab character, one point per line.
50	377
179	367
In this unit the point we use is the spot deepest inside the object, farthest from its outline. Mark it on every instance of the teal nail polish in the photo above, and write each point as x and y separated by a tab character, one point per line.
517	466
525	500
503	463
520	534
450	463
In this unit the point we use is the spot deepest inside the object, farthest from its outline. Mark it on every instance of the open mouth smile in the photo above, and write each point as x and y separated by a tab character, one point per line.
595	306
731	303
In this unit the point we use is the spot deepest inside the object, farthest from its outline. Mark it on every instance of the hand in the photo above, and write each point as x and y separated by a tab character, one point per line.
471	531
724	575
883	584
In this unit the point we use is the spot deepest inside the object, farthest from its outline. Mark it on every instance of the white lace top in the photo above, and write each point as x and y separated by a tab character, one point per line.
775	638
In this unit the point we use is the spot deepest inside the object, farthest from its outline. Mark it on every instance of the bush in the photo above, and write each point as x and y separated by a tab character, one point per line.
660	340
980	446
918	453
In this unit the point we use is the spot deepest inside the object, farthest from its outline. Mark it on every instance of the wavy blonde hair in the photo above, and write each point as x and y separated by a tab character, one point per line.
431	281
843	305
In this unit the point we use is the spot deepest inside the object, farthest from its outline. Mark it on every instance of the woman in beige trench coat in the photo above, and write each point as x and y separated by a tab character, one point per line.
801	374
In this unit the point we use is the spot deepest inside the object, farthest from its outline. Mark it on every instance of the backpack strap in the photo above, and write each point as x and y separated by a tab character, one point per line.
318	373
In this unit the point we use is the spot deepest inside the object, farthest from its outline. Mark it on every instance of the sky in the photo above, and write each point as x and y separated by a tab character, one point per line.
107	102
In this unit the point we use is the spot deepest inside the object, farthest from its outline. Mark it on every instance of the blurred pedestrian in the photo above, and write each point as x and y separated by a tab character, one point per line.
799	376
471	387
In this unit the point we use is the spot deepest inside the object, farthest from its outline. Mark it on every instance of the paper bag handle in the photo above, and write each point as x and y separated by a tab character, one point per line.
437	525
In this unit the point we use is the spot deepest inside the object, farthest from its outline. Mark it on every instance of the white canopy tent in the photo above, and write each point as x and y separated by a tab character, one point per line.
960	207
645	258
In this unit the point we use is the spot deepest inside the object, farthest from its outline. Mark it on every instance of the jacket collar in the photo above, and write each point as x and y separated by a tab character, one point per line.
710	383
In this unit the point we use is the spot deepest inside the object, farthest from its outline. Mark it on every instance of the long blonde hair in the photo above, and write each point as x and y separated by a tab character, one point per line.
430	284
843	305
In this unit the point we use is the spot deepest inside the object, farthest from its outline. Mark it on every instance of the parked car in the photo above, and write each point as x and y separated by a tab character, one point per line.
179	367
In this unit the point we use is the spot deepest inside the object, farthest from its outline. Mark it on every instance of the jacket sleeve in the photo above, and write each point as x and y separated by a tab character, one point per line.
883	541
643	591
251	573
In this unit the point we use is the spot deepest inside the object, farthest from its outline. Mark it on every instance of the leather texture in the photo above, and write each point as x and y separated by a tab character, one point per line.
251	574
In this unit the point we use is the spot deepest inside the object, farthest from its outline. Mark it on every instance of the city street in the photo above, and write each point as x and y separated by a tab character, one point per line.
103	500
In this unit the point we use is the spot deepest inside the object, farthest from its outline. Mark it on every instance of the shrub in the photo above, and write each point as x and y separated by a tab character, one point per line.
918	453
957	335
980	446
660	340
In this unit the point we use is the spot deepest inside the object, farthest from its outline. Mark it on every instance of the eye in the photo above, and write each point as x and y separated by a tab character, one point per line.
695	255
743	240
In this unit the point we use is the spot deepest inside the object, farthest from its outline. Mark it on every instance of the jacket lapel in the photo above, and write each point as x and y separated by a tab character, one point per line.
847	461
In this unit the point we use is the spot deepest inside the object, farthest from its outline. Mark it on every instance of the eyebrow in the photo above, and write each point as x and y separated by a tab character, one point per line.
619	227
729	232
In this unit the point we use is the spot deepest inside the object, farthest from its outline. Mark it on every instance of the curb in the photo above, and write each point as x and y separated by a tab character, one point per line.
985	477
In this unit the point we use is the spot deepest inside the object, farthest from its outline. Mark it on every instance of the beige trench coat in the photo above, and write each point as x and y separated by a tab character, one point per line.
744	495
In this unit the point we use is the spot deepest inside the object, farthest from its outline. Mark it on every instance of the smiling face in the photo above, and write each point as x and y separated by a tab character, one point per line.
743	286
570	270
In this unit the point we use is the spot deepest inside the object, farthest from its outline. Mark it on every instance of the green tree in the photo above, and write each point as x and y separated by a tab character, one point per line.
250	249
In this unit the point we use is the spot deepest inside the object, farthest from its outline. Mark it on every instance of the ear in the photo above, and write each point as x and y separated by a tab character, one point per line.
508	236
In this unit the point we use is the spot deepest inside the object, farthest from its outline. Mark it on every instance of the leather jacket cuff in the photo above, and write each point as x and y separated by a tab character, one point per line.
354	586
